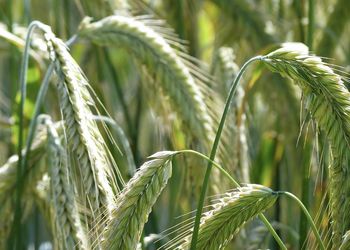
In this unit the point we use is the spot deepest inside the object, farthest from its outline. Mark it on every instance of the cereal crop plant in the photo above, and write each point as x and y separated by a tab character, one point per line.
190	124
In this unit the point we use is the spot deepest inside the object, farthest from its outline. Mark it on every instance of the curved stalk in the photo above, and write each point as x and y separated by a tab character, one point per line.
214	149
16	227
308	217
222	170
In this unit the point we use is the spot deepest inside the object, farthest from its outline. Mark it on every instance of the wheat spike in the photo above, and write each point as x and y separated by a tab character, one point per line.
173	72
184	85
229	214
67	226
136	201
93	157
328	101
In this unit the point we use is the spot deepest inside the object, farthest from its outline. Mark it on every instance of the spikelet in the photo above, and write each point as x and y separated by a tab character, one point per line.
328	101
136	201
95	164
228	215
175	74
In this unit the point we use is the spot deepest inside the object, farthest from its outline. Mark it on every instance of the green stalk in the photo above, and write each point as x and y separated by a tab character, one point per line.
305	188
310	30
308	217
223	171
299	11
16	227
213	153
305	195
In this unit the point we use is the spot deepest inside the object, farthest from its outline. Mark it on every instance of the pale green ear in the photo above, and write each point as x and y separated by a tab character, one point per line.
227	215
162	58
135	202
328	101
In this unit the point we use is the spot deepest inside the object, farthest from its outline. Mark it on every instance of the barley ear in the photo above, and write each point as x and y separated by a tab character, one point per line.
229	214
328	101
135	202
179	78
96	166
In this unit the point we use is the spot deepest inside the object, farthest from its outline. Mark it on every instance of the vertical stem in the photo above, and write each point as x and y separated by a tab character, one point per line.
213	151
281	11
299	11
310	30
305	195
9	88
27	12
67	19
16	234
57	16
276	162
272	231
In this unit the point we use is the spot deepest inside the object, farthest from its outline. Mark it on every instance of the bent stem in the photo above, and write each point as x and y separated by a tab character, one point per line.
214	149
223	171
16	227
308	217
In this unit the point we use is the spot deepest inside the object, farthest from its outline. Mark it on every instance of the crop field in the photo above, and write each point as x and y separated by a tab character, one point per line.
174	124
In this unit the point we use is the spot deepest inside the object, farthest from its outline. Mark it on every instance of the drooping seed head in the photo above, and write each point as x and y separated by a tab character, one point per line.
229	214
328	101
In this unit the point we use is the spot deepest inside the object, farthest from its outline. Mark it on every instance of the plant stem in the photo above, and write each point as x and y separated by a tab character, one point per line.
305	194
16	227
272	231
310	30
214	149
223	171
308	217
